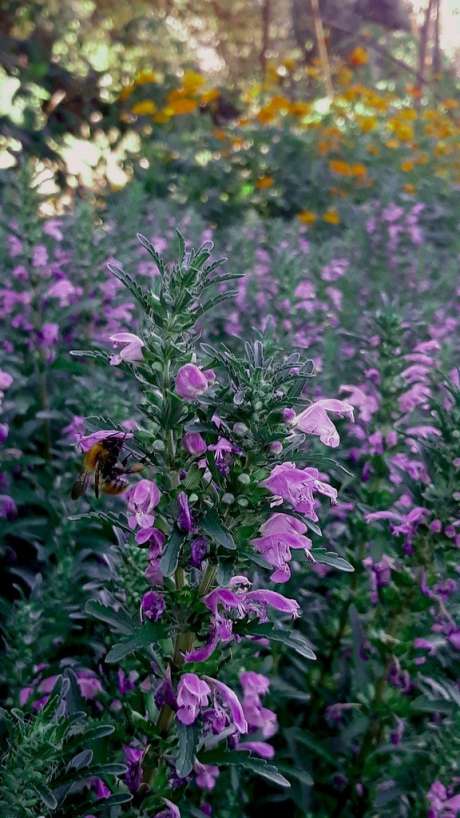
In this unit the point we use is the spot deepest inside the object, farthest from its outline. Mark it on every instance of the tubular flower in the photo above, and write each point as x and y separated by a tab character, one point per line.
191	381
131	348
297	487
315	419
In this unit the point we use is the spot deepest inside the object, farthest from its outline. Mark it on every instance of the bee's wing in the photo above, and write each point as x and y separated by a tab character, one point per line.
80	485
96	480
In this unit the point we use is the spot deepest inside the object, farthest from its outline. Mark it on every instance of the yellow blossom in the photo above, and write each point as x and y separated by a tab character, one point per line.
144	107
407	165
366	123
209	96
307	217
331	216
359	56
192	81
145	77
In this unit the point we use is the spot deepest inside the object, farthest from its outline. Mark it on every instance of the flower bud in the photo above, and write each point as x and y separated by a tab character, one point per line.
244	479
228	498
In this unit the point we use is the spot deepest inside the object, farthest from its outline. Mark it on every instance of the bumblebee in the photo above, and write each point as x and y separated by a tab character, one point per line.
102	460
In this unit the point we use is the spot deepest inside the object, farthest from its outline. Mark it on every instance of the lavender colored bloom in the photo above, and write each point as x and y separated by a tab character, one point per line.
194	444
142	498
192	694
5	380
260	748
64	291
296	486
230	700
88	684
315	419
4	430
101	789
133	757
281	533
191	382
152	606
199	548
8	508
184	519
126	681
205	775
88	441
130	348
171	811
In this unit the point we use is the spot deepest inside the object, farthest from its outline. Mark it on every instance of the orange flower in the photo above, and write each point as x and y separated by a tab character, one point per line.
331	216
366	123
180	107
359	56
299	108
307	217
359	170
409	188
264	182
340	167
407	166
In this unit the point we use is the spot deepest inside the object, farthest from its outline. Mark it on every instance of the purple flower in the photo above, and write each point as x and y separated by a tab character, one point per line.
296	486
4	430
315	420
230	700
5	380
75	429
240	602
172	810
192	694
8	508
88	441
194	444
191	382
126	682
100	788
152	606
206	775
261	748
64	291
89	684
142	498
442	806
280	533
133	757
199	548
184	519
131	348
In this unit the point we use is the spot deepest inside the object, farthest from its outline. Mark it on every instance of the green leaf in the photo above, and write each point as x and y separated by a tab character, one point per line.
188	741
211	526
249	762
332	559
112	801
119	620
290	639
46	796
150	633
170	558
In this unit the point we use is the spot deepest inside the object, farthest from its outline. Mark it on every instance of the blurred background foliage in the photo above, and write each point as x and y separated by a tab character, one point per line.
90	86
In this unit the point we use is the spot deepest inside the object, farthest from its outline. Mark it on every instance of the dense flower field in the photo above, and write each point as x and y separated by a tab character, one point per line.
230	480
